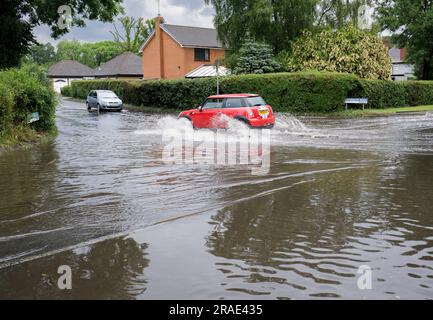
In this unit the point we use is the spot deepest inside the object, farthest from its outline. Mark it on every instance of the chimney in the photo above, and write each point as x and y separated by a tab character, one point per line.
160	44
403	54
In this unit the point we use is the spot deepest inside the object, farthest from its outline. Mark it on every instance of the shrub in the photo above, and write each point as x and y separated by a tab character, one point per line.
317	92
24	91
6	102
346	50
255	58
419	92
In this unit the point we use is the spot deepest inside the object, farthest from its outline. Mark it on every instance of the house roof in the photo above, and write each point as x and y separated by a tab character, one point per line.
190	37
394	54
126	64
205	71
69	69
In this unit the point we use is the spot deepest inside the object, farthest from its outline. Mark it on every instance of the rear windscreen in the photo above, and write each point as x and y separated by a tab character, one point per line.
256	102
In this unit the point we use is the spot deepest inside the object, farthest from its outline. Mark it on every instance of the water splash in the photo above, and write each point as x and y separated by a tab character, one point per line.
289	123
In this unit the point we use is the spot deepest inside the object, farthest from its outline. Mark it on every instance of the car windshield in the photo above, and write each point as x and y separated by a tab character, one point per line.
256	101
107	95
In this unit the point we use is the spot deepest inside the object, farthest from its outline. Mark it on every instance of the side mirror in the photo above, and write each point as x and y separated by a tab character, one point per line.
200	108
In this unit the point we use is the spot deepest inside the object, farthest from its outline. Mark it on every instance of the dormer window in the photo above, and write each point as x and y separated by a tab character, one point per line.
202	54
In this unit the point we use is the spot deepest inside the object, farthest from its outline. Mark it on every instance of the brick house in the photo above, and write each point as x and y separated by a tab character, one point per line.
401	70
172	51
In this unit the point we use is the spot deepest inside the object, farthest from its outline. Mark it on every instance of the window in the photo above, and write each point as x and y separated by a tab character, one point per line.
202	54
213	104
234	103
107	95
256	102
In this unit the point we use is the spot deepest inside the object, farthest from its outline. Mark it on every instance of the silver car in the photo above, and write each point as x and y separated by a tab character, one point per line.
103	100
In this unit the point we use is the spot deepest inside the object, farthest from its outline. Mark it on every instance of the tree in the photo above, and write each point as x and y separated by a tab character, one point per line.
339	13
412	25
90	54
254	57
275	22
18	17
15	33
42	54
135	32
346	50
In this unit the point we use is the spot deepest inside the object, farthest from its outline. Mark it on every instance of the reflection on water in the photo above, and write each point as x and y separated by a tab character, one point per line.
114	269
309	241
340	194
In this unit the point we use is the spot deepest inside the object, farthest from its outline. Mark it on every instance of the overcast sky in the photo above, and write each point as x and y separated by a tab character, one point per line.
182	12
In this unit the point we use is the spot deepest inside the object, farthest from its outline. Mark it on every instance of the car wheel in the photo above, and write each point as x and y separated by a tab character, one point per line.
190	121
99	107
89	108
245	122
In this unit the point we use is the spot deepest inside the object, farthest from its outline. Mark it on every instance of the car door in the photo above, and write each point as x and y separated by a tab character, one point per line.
208	116
234	107
91	99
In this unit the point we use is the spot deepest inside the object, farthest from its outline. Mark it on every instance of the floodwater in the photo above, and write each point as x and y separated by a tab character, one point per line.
340	196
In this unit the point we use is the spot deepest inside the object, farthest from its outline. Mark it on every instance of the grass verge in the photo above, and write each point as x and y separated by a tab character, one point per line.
354	113
22	137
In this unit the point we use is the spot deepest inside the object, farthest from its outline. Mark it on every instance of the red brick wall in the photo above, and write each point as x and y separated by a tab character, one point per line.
170	60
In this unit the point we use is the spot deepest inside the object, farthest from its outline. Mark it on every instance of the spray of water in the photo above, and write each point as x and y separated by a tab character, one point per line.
288	123
285	125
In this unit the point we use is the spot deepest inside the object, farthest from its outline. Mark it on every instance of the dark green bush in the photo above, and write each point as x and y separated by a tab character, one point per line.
66	91
383	94
28	91
294	92
419	92
6	102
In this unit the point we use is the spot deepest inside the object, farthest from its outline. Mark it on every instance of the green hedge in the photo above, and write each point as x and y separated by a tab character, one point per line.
24	91
6	103
294	92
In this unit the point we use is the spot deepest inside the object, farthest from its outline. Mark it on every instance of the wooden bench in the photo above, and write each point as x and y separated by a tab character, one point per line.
363	101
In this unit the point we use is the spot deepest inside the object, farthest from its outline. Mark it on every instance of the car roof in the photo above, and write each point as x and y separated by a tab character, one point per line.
101	91
233	95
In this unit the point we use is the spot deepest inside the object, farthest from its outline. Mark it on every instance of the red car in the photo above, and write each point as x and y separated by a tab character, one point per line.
250	109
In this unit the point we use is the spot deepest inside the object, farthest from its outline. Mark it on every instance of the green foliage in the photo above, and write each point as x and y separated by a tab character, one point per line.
412	24
254	57
22	92
347	50
134	33
15	33
305	92
18	17
339	13
276	22
90	54
6	103
42	54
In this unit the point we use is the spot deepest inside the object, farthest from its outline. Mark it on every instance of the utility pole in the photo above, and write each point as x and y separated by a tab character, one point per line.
217	68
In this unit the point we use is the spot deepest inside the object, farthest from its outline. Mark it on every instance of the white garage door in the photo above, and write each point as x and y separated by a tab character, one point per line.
59	84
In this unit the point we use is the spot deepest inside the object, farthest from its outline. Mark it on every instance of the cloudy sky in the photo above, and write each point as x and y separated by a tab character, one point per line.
183	12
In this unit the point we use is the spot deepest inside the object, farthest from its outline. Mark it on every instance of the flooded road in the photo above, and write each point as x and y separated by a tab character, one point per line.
340	194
